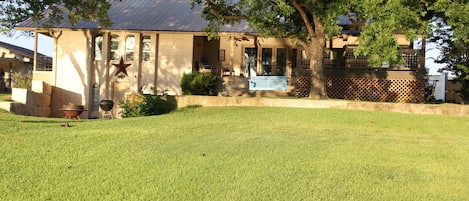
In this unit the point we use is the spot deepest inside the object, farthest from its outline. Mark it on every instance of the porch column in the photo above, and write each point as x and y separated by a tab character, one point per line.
422	54
105	60
36	35
55	36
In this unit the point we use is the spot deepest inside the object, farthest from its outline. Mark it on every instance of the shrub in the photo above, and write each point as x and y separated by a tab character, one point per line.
22	80
133	106
159	104
137	105
197	83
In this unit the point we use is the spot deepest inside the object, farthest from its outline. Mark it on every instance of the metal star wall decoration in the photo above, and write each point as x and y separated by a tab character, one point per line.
121	67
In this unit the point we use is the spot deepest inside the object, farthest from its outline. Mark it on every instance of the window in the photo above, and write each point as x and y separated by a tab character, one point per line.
304	62
129	48
274	61
329	58
114	50
44	63
266	61
250	61
294	56
281	64
98	48
146	48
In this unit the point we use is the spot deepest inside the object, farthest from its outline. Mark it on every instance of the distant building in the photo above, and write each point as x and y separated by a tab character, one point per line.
18	59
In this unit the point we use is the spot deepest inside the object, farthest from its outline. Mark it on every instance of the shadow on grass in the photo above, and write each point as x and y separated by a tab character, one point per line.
188	108
42	121
62	123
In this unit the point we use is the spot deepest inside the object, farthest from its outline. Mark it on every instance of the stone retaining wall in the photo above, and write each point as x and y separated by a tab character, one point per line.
39	108
34	102
433	109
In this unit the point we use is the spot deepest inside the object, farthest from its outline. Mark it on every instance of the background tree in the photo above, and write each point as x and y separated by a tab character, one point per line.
450	31
310	22
455	54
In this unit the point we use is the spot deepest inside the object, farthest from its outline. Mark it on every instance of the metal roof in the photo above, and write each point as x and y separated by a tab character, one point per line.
147	15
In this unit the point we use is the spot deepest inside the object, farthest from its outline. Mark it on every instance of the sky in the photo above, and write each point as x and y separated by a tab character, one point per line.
45	46
45	43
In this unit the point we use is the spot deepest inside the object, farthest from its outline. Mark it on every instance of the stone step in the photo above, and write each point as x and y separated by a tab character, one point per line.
5	105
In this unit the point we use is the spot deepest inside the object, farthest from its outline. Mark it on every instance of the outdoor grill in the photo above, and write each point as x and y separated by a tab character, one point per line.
106	106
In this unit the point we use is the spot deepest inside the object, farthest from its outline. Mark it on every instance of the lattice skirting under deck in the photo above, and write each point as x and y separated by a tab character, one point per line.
303	86
377	90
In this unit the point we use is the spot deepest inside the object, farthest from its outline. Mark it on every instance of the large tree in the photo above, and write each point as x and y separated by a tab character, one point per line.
311	22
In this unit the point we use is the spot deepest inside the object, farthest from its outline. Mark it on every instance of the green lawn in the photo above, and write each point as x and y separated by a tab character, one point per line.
237	153
5	96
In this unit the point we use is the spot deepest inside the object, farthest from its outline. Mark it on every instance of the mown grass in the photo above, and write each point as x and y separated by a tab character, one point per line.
5	96
237	153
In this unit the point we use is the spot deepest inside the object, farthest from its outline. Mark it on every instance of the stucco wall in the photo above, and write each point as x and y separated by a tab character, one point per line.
174	59
72	73
76	73
148	70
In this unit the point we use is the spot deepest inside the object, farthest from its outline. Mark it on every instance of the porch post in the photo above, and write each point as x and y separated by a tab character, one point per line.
36	35
422	55
55	36
106	63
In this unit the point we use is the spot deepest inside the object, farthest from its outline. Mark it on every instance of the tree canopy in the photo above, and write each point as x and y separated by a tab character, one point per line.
15	11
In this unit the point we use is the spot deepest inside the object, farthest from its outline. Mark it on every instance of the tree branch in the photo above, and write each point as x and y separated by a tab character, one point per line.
214	12
304	16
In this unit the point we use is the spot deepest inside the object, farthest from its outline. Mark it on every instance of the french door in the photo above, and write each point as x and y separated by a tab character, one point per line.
271	61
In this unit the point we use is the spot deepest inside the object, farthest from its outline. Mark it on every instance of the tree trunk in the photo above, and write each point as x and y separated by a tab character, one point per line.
315	50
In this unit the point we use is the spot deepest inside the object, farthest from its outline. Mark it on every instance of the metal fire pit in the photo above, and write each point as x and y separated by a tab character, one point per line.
72	111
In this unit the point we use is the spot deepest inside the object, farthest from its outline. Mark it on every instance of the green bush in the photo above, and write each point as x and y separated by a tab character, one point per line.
137	105
159	104
197	83
22	80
